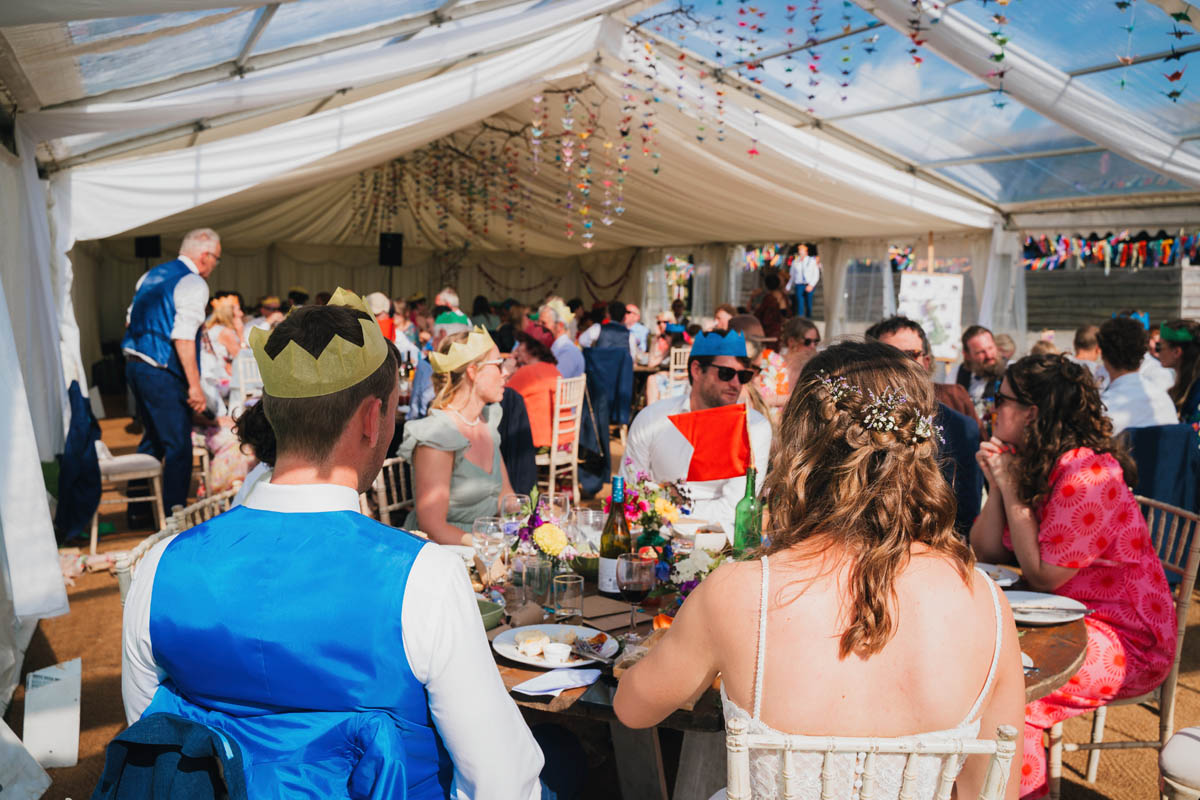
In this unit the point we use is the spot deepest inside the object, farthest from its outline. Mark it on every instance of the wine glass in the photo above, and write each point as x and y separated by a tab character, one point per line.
487	534
635	579
514	510
555	509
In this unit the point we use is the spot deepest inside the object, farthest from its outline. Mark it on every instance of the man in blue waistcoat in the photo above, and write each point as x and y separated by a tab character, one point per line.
612	333
340	654
162	356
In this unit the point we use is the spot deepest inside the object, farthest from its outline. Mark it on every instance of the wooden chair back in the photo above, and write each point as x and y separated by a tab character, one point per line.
679	359
391	488
739	742
200	511
246	382
568	414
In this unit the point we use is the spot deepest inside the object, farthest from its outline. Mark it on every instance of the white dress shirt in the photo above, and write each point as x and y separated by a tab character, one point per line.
589	337
655	446
805	270
1158	375
495	756
1132	401
191	298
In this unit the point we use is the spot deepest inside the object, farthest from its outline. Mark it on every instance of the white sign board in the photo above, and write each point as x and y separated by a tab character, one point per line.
935	301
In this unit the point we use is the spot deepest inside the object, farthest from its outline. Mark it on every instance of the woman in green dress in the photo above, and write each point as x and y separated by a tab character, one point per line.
458	474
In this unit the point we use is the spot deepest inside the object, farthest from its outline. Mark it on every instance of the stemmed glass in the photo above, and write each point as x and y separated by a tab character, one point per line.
514	509
590	525
487	534
635	579
555	509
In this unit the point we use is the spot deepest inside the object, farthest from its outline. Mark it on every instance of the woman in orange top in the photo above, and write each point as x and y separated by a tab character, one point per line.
536	380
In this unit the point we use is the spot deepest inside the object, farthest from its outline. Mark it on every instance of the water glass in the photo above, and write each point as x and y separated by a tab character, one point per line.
635	579
514	510
535	577
487	534
568	599
590	523
555	509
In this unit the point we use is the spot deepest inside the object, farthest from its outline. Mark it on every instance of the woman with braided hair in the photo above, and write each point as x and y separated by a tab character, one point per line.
863	588
1179	349
1059	499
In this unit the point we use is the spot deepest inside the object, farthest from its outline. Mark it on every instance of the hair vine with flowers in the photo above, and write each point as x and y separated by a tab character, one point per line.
538	535
880	410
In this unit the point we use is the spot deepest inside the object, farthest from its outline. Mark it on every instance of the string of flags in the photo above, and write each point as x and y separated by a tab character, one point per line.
1122	251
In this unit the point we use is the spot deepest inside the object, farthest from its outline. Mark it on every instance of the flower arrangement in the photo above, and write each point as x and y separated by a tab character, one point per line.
542	536
650	506
681	574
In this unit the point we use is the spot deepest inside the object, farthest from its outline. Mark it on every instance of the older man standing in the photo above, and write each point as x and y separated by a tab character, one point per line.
718	368
162	356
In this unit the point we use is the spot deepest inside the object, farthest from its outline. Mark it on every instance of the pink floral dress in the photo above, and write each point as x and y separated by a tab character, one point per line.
1091	522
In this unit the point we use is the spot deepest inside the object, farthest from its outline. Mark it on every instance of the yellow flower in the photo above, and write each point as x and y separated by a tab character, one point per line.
666	509
550	539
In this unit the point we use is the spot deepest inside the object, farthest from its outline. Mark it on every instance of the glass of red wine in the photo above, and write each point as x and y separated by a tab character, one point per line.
635	579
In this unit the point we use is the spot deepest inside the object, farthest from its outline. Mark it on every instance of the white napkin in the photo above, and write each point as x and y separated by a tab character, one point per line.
556	680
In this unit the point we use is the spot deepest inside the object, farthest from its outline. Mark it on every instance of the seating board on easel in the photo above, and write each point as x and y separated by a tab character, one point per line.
935	301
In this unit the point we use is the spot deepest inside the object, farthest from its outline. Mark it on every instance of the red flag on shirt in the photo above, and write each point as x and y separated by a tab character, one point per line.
721	441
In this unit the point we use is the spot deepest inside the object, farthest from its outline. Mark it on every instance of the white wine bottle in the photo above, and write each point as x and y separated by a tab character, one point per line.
614	541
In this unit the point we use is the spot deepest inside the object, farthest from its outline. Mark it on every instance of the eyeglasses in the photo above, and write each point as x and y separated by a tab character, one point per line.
216	258
1002	398
495	362
915	355
812	342
726	374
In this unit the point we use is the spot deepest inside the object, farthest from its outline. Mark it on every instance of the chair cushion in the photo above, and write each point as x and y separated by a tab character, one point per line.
118	466
1180	759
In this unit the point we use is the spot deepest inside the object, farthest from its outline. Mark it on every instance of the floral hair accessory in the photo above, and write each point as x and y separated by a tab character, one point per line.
925	429
879	414
839	388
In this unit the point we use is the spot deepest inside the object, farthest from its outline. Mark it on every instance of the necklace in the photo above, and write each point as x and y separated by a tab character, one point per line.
466	421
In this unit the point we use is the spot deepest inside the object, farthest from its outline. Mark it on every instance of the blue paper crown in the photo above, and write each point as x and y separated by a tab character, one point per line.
732	343
675	327
1141	316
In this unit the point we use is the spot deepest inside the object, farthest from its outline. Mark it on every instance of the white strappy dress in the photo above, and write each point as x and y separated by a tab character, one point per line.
766	767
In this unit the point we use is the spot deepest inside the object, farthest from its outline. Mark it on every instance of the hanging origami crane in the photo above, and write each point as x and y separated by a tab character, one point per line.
1174	76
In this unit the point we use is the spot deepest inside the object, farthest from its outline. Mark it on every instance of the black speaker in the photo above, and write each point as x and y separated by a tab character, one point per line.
147	247
391	249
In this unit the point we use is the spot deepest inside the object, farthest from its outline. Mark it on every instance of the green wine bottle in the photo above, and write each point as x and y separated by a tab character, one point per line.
614	541
747	518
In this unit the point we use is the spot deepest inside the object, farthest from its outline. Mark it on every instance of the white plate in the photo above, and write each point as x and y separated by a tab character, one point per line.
1018	599
1003	576
506	645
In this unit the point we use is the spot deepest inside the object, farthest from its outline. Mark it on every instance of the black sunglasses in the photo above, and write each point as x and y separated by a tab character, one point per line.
812	342
726	374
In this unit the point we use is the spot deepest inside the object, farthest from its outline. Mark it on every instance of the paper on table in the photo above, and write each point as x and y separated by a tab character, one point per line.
553	683
614	622
600	606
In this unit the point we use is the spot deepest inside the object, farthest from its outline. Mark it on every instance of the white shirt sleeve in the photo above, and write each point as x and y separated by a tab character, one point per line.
449	653
191	296
792	275
140	675
637	447
812	272
633	346
589	337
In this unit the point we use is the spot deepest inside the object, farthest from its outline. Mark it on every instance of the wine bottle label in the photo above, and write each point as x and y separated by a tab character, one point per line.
606	577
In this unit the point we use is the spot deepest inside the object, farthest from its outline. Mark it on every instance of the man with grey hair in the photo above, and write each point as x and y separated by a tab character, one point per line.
162	356
555	316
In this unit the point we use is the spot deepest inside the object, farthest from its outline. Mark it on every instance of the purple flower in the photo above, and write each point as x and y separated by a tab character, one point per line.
686	587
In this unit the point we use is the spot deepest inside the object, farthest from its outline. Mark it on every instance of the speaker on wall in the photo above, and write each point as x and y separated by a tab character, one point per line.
147	247
391	249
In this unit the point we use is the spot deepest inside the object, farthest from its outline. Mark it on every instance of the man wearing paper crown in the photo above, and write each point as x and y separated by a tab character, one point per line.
705	438
345	658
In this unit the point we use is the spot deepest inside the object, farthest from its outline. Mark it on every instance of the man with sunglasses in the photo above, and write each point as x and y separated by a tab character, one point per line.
162	357
960	432
718	368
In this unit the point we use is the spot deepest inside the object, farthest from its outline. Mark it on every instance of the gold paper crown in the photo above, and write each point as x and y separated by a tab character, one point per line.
478	343
295	373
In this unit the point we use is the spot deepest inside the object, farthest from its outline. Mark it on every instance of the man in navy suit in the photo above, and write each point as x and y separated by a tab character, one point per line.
162	356
960	433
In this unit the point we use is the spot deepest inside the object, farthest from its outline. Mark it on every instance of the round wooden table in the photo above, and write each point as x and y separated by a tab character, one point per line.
1057	652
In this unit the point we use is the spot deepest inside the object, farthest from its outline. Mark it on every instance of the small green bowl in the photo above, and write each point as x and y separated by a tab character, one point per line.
491	613
588	567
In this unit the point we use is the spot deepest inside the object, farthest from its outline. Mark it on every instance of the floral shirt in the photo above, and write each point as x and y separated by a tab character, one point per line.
772	379
1091	522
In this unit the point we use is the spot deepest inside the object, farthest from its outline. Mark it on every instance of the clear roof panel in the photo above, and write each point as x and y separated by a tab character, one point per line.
1145	93
1060	177
1073	34
164	56
95	30
964	128
304	21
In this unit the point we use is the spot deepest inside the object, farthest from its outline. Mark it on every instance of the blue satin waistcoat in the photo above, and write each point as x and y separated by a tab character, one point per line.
260	614
152	316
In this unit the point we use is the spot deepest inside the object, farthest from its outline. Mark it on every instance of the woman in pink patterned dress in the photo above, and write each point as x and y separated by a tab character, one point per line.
1059	499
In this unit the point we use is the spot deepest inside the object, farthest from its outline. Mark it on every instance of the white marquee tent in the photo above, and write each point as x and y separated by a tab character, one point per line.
301	130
